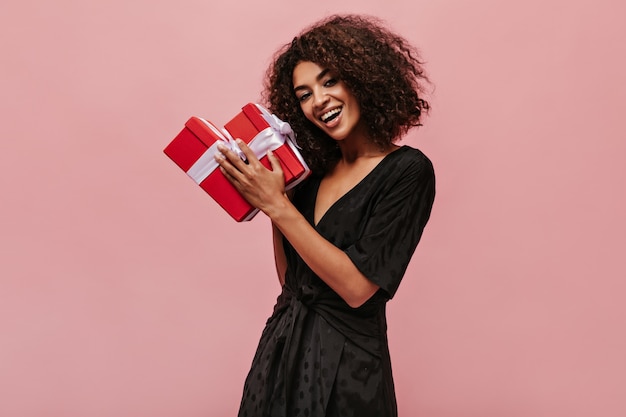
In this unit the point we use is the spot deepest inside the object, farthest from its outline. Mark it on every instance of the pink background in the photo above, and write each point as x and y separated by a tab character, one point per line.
126	291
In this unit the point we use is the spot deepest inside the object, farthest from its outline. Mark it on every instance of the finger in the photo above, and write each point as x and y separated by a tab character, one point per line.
230	156
231	172
250	156
274	162
229	176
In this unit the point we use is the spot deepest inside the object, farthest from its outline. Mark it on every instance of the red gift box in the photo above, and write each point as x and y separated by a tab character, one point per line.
193	150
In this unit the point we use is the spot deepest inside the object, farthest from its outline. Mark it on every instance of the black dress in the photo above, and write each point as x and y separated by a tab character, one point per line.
318	356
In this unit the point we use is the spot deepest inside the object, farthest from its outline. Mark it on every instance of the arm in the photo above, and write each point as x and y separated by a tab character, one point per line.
265	189
279	254
328	262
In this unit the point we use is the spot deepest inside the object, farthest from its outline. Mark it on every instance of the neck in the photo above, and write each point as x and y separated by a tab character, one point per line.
358	145
351	152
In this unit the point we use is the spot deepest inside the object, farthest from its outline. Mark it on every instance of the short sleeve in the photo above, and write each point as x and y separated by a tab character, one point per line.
395	226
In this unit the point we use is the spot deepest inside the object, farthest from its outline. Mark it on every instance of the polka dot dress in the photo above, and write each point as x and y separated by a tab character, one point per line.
318	356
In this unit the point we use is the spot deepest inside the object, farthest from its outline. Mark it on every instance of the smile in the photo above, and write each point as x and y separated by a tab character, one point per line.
330	115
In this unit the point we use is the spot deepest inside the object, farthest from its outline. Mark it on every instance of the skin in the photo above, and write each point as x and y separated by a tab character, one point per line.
318	91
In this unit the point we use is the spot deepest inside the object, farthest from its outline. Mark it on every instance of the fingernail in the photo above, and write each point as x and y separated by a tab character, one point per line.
239	141
219	156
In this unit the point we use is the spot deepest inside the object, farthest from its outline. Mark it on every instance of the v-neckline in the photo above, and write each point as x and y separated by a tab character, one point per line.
344	195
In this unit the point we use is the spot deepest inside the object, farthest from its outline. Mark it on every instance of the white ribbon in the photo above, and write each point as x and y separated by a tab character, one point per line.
280	126
285	129
206	164
276	135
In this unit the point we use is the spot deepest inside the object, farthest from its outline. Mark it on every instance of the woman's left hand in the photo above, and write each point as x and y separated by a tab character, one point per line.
260	186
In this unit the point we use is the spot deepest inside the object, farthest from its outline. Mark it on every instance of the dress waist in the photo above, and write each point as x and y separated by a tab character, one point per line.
360	325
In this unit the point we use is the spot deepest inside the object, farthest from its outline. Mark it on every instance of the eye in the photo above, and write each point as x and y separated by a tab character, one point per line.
303	96
330	82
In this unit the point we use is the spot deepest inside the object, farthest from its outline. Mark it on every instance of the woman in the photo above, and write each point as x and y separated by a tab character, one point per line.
349	88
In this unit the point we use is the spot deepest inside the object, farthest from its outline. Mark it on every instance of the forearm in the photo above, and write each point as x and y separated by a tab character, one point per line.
328	262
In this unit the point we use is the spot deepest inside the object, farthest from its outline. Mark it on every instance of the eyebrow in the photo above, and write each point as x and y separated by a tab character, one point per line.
319	77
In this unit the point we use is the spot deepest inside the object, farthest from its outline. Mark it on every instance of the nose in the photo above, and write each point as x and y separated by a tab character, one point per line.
320	98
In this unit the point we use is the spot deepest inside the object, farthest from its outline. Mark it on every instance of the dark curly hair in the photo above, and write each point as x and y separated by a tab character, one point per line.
381	69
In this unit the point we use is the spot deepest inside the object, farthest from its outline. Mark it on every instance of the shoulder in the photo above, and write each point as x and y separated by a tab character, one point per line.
409	160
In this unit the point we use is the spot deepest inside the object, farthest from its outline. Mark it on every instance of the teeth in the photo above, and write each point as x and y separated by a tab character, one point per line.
330	114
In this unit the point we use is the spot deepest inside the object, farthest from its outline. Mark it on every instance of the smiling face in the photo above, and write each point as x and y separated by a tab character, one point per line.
326	101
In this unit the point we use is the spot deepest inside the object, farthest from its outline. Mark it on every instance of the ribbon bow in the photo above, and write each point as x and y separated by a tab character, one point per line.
278	125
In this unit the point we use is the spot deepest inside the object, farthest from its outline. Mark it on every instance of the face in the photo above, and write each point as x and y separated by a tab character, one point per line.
326	101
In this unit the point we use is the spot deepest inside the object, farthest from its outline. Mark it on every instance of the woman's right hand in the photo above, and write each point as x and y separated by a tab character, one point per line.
261	187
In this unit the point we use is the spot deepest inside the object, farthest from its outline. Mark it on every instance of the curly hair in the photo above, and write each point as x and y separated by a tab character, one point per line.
380	68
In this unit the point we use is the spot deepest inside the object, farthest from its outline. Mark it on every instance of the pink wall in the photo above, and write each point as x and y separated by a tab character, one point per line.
123	289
